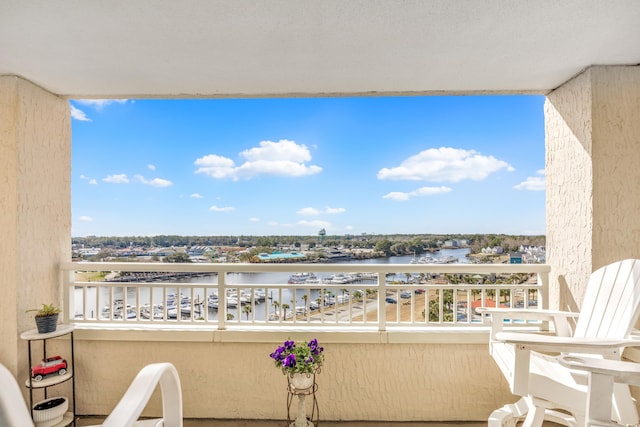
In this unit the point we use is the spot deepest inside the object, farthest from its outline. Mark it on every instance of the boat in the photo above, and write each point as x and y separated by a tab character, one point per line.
298	278
446	260
335	254
155	312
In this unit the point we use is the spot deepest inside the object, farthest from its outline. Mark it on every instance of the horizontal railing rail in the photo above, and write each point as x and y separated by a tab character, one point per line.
253	296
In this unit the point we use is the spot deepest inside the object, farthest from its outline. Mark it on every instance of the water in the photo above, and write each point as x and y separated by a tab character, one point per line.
199	288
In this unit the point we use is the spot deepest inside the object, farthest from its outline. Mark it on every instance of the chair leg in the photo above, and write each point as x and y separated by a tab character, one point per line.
535	414
624	408
508	415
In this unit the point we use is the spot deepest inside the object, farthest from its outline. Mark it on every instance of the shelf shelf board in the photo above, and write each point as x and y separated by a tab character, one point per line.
49	381
33	334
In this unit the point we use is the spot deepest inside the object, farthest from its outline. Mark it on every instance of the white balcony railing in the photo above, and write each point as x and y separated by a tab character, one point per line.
254	296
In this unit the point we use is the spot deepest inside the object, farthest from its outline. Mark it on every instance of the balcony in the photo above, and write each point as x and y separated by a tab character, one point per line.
429	371
410	359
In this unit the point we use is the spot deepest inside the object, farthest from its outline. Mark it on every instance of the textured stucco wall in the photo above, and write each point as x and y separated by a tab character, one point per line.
592	157
35	207
616	164
357	382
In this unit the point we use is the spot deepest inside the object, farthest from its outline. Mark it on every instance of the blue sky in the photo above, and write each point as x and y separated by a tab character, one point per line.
439	164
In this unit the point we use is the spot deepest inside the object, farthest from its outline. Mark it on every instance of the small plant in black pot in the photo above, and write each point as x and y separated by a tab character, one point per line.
46	318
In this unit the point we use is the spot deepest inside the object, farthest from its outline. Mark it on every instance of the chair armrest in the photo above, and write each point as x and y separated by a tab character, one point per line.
498	315
621	371
135	399
549	343
526	314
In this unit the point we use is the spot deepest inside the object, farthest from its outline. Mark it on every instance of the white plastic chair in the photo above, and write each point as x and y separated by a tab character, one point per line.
14	411
603	374
530	364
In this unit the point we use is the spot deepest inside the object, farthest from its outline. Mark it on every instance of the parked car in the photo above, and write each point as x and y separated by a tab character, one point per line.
49	366
391	300
405	294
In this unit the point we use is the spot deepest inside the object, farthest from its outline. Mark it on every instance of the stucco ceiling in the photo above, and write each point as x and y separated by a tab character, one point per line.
169	48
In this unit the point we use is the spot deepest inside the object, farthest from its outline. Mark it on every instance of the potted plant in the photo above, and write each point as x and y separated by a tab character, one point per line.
46	318
300	362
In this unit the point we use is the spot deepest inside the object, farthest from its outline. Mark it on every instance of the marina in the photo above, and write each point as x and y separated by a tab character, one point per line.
259	296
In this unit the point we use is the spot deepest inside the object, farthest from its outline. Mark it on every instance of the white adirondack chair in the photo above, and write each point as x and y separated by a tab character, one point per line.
603	374
549	390
14	411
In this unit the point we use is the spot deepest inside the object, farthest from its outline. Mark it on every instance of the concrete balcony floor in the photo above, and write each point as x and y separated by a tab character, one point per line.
85	421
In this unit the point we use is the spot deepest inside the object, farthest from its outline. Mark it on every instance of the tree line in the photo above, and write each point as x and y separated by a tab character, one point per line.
391	244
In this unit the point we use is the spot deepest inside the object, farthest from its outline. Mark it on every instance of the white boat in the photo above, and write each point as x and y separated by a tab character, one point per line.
301	277
335	254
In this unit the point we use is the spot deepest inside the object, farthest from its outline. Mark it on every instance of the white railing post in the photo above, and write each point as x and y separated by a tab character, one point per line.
67	283
543	281
222	300
382	295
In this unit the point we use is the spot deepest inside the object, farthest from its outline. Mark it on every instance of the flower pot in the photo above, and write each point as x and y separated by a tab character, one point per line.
50	412
46	324
301	381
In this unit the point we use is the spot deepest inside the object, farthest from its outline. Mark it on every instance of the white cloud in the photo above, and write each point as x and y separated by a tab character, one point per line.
215	208
420	192
91	181
316	224
99	104
283	158
216	166
155	182
117	179
254	219
330	210
78	114
314	211
445	164
196	196
86	218
349	227
308	212
151	167
533	183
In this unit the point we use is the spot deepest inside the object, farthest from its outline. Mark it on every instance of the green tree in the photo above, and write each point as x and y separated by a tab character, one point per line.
384	246
178	257
246	309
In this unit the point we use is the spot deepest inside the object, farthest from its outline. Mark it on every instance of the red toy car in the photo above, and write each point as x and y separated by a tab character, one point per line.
48	366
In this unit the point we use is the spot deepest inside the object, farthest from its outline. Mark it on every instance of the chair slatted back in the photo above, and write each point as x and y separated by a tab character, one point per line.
612	301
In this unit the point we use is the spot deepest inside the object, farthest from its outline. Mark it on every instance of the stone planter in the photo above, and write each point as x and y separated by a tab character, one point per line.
301	381
46	324
50	412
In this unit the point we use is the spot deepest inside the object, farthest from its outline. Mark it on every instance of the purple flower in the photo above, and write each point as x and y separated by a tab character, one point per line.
278	355
315	348
290	361
288	345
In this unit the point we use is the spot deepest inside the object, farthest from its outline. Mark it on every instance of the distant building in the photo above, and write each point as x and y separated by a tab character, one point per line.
515	258
279	256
